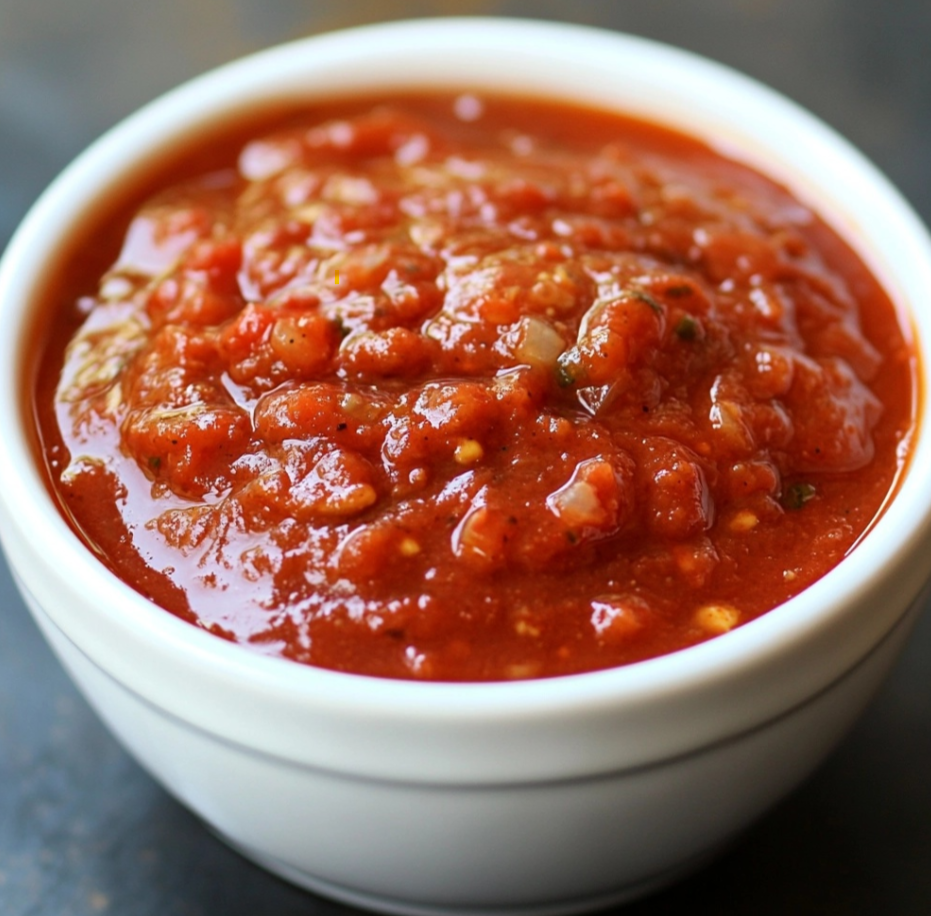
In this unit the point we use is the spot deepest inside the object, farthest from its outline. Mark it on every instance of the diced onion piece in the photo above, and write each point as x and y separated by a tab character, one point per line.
727	419
338	484
577	504
480	538
261	159
590	499
539	343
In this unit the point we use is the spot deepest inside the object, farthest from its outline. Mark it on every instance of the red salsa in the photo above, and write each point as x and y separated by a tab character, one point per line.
463	388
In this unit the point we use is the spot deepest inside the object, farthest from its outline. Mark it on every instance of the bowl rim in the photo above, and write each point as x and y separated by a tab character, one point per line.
418	48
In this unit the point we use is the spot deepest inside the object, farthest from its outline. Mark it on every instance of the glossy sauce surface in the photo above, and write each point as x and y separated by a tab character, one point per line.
470	388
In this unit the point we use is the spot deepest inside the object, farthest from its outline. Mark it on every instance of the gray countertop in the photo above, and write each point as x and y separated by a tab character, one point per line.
83	830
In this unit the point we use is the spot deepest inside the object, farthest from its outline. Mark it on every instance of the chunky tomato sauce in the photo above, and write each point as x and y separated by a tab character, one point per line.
469	389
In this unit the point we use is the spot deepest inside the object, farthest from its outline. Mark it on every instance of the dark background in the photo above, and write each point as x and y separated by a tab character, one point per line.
83	831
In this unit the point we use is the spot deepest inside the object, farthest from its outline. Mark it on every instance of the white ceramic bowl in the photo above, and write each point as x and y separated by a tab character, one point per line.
541	796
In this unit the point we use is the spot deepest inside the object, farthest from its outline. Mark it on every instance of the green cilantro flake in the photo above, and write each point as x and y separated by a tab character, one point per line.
687	328
566	372
798	494
644	297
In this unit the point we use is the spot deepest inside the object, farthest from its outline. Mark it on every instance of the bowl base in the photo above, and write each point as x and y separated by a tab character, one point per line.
399	907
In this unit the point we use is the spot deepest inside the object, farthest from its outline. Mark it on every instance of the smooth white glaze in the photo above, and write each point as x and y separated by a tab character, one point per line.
259	746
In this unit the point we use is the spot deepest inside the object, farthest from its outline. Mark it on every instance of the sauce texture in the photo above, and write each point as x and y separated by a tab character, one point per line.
463	388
